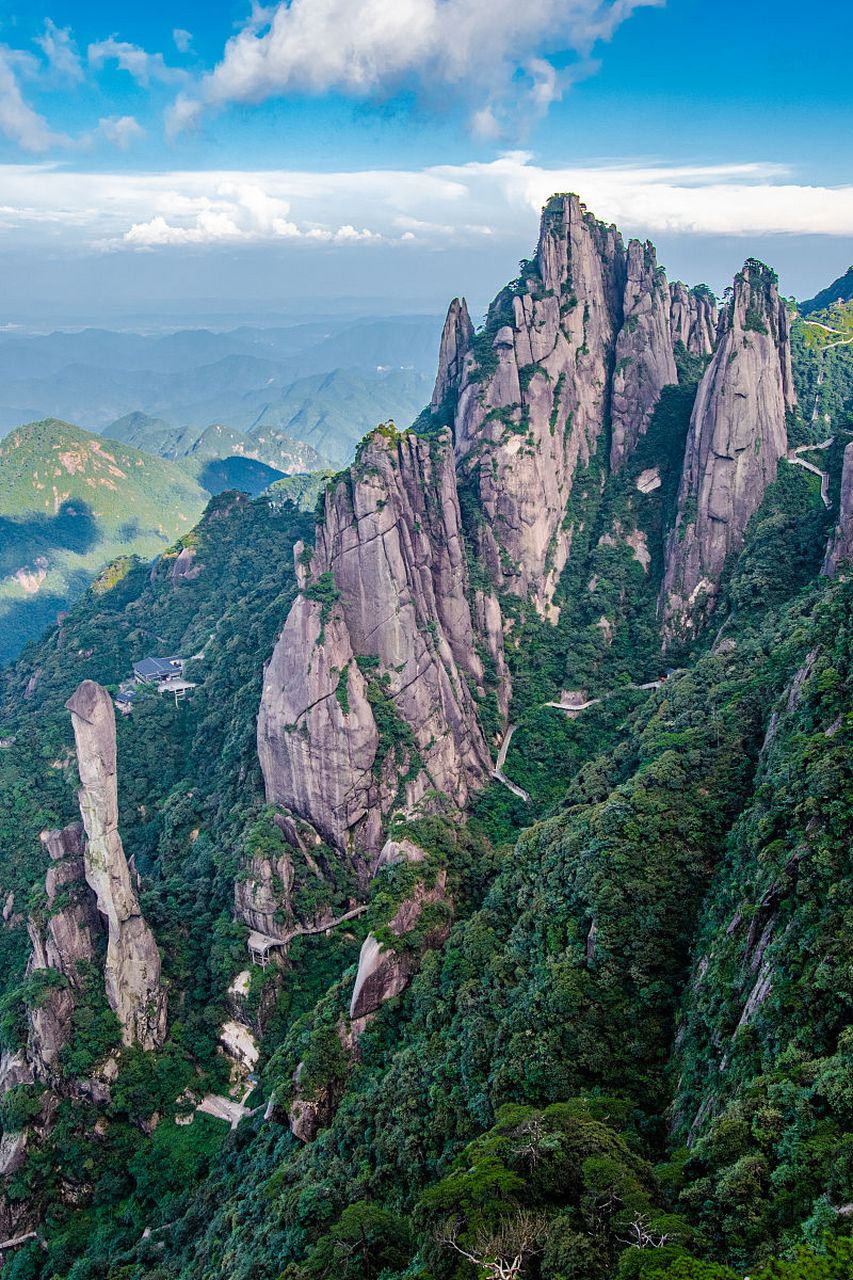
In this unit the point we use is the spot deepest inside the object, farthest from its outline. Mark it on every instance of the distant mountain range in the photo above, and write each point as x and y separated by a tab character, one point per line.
180	417
314	422
70	502
273	452
322	383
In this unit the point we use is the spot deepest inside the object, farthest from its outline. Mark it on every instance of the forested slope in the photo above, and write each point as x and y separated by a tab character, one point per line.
601	1033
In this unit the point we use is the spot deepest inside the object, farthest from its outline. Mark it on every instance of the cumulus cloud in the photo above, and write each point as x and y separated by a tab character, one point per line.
60	51
143	66
18	121
183	39
239	212
461	205
497	56
121	131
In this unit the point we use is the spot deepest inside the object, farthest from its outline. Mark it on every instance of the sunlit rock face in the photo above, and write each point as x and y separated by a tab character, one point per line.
534	394
132	970
366	704
737	435
62	941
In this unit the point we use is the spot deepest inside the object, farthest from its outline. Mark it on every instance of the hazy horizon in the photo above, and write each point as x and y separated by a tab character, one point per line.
179	165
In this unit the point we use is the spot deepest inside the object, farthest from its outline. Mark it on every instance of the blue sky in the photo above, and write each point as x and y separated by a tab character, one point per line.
184	159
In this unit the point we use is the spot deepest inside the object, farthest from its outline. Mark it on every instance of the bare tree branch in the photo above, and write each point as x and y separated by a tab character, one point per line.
502	1252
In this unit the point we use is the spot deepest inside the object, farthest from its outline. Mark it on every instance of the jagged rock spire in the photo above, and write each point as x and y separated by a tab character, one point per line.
534	397
366	704
455	343
644	351
737	435
132	971
60	942
693	318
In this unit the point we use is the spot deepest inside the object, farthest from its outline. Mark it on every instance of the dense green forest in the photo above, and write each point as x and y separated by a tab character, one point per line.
625	1052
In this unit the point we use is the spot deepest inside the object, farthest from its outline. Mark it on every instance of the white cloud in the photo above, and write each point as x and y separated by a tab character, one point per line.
238	212
121	131
143	66
492	55
208	228
461	205
182	115
18	121
59	49
183	39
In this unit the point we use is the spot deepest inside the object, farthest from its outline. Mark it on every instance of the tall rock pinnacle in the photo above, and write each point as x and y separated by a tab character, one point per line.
737	435
132	972
644	360
455	344
693	318
366	704
534	398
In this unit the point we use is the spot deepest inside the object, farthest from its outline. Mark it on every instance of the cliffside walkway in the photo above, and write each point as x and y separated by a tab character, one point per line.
498	771
575	708
260	944
845	339
793	456
571	709
16	1241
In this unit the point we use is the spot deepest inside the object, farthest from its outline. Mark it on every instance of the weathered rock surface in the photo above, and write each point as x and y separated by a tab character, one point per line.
455	344
262	894
15	1069
534	398
383	972
644	351
737	436
693	318
840	546
264	891
132	971
60	943
366	705
307	1115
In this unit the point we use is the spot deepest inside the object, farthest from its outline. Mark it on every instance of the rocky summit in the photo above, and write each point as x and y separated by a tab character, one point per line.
463	887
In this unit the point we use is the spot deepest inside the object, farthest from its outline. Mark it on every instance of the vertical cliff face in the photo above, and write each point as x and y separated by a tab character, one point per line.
383	709
737	436
132	973
60	943
366	705
840	548
693	319
534	397
644	351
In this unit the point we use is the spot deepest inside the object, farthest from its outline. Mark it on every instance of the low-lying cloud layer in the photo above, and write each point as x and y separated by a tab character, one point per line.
432	207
